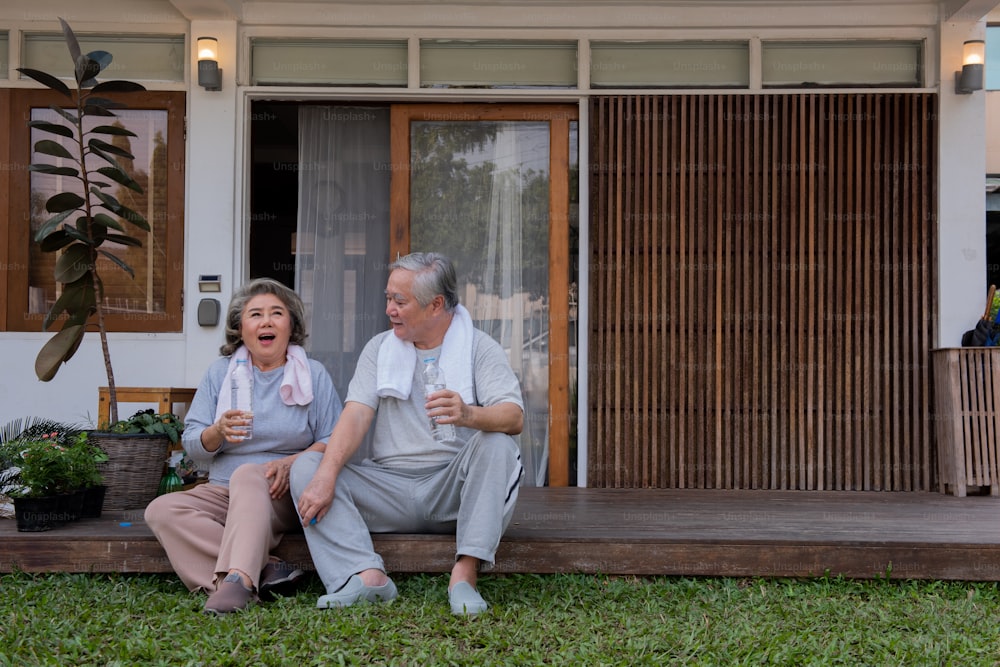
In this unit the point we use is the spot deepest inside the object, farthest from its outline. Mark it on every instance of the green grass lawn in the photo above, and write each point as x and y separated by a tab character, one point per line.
547	619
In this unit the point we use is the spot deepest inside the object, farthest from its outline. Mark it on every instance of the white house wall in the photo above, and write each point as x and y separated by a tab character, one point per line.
216	149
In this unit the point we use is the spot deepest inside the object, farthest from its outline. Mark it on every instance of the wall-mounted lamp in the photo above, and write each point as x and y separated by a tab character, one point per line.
209	74
970	78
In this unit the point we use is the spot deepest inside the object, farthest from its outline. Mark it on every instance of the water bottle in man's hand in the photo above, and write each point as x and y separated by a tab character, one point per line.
434	381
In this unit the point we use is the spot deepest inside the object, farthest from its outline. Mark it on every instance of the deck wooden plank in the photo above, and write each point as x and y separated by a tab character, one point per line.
627	531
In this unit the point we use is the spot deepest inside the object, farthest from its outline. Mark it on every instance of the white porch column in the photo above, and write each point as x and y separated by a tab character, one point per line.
213	236
961	193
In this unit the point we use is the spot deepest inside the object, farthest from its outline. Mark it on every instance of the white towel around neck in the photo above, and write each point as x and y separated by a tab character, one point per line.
396	358
296	384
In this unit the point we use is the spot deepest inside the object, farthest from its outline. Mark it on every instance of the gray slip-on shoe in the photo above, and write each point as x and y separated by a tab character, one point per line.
230	596
466	600
355	591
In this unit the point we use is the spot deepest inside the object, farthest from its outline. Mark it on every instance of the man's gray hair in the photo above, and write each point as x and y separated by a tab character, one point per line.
434	274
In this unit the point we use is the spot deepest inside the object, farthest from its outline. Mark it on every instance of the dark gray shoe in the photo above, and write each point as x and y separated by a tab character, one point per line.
230	596
279	578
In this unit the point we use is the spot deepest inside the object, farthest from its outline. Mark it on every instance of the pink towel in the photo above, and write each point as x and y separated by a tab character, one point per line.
296	385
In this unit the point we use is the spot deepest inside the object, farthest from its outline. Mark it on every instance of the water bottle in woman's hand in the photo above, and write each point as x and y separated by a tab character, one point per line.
242	387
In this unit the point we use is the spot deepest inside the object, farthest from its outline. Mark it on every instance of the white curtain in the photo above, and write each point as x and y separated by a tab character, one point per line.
489	212
504	297
342	237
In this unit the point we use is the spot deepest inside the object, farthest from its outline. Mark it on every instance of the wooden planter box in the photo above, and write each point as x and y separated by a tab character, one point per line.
967	387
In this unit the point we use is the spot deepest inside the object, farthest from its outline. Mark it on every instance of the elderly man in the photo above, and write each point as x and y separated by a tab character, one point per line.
413	482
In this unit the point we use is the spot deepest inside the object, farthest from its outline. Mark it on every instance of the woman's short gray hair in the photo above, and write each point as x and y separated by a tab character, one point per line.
434	274
256	287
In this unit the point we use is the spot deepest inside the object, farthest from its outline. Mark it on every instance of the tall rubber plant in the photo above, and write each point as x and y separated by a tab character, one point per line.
85	217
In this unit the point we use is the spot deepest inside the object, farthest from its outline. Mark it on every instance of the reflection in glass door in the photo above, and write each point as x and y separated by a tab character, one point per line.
482	190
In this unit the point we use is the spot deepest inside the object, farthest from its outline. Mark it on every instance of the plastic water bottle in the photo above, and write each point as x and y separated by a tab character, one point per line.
434	381
242	386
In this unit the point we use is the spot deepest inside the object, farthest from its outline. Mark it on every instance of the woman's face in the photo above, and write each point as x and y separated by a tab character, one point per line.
266	327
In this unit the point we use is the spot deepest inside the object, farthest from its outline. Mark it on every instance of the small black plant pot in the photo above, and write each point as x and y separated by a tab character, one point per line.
35	515
93	502
72	505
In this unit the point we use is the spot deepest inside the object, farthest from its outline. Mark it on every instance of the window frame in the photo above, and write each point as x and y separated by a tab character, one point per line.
15	196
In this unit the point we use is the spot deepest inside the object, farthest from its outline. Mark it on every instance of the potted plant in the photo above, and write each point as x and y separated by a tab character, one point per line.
88	215
45	475
137	450
146	421
86	462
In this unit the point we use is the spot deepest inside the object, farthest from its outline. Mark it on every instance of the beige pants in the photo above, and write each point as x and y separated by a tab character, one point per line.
210	529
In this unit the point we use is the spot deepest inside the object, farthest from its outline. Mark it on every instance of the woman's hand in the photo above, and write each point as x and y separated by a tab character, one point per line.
277	471
231	426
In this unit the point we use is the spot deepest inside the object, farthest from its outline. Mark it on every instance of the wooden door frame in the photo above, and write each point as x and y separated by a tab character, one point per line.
559	117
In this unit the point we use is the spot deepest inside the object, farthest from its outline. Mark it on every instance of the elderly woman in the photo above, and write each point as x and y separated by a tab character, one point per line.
219	536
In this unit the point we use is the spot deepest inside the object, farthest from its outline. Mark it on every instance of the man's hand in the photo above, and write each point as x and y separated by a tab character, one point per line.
447	407
316	499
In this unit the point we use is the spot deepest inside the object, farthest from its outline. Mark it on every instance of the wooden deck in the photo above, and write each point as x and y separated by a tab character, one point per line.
645	532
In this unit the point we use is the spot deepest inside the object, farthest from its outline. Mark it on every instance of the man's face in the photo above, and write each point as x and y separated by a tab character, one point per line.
410	321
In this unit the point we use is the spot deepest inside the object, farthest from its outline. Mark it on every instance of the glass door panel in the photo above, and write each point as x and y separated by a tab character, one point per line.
489	189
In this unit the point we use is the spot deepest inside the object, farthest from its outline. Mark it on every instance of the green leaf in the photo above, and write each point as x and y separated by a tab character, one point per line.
109	201
78	300
113	129
107	221
73	263
102	58
62	112
124	212
119	176
133	217
51	225
117	260
46	80
57	351
64	201
119	87
54	128
86	71
58	239
110	148
54	170
125	240
98	152
104	103
49	147
71	42
97	233
91	110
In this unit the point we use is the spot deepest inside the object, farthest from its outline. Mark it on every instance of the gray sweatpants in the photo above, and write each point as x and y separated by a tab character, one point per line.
473	496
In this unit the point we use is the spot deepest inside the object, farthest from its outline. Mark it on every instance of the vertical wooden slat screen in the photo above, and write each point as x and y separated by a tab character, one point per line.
762	294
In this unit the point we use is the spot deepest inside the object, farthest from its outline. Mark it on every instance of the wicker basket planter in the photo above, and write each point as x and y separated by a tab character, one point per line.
134	467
